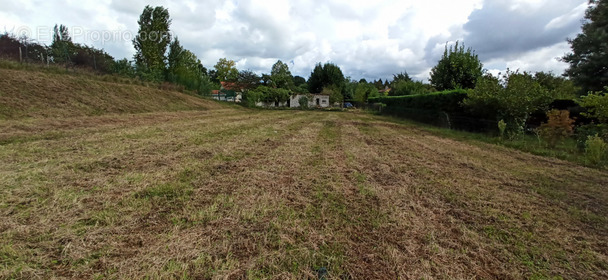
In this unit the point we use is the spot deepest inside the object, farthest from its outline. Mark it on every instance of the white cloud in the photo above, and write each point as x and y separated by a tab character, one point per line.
368	39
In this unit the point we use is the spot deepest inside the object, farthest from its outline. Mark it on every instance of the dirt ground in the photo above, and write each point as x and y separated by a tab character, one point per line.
251	194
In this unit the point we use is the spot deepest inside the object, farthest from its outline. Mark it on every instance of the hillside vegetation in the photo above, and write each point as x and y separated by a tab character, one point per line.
35	94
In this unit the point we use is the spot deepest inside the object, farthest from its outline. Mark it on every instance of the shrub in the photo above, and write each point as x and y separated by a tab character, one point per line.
448	101
502	126
596	105
270	95
595	149
303	102
251	98
513	97
585	131
558	126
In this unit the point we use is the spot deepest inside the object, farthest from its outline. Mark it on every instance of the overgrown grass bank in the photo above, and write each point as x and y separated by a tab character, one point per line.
31	93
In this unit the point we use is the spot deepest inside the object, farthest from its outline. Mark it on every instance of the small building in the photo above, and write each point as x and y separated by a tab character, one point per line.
228	92
314	100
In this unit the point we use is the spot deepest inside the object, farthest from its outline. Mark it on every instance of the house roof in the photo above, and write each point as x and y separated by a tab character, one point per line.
314	94
230	86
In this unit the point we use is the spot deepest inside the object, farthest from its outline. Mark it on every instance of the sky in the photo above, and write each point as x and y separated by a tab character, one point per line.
367	39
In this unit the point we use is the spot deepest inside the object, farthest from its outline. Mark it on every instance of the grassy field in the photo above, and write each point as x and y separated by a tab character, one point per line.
232	193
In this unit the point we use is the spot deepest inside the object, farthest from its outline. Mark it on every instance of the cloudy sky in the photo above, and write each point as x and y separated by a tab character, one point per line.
367	39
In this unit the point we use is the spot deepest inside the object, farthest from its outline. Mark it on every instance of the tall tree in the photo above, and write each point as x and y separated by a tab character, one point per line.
281	76
401	77
457	68
226	70
327	75
185	69
298	81
589	57
379	84
559	87
249	80
62	46
151	42
350	87
174	60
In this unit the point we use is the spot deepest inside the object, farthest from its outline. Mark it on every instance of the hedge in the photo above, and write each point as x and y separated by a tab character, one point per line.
448	101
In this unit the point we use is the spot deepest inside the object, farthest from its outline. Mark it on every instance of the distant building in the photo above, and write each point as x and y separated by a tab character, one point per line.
228	92
385	92
314	101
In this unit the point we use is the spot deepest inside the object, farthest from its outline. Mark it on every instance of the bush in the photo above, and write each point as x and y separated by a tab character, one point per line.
513	97
502	126
595	149
303	102
448	101
269	95
558	126
585	131
596	105
402	87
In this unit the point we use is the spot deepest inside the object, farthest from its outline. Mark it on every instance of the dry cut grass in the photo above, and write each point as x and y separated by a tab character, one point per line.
237	194
35	94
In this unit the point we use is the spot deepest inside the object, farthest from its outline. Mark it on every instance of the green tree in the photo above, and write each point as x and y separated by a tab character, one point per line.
558	87
379	84
405	87
248	79
189	71
513	98
327	75
62	47
350	86
269	94
597	105
151	42
400	77
124	67
226	70
174	60
589	57
298	81
185	69
365	91
457	68
281	76
335	96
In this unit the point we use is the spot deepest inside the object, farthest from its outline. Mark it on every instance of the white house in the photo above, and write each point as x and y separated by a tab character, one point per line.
314	101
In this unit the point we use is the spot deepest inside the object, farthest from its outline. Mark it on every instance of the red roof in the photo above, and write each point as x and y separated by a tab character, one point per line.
230	86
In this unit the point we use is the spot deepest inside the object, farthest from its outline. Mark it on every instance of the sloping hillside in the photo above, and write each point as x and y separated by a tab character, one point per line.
38	94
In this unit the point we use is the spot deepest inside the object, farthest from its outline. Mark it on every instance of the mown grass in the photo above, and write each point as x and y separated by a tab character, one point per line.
238	193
